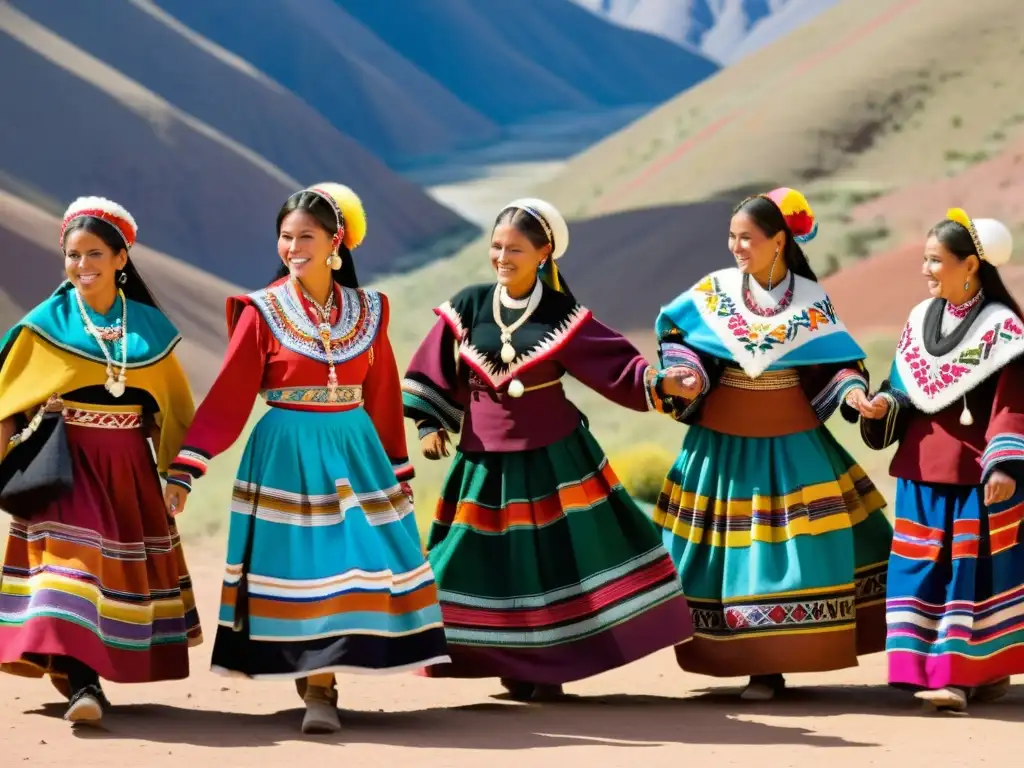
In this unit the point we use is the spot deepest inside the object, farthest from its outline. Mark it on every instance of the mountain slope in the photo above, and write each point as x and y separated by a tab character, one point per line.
332	62
860	99
197	191
547	56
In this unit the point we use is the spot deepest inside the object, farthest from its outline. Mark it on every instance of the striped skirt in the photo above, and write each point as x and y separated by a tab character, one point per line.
99	575
325	567
955	605
547	570
781	543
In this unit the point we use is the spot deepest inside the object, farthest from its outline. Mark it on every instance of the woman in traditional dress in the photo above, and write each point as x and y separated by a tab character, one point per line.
94	583
954	401
325	567
779	536
547	570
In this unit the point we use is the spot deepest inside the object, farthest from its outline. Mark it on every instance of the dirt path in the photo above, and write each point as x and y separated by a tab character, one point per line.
646	714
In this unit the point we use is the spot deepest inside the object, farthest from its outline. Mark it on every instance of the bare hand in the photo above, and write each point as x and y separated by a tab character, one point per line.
407	490
682	382
999	487
435	445
875	408
55	404
174	499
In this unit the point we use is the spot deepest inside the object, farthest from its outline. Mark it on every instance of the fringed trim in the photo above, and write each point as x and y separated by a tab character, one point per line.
835	392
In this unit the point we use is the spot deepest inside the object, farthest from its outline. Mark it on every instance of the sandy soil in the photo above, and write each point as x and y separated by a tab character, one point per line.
649	713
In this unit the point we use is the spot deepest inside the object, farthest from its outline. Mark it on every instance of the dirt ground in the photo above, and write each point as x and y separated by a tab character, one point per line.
649	713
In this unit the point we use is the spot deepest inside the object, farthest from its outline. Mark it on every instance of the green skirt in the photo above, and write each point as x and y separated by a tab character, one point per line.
547	570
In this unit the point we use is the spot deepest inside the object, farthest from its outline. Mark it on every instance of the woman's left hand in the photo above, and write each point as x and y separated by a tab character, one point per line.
999	487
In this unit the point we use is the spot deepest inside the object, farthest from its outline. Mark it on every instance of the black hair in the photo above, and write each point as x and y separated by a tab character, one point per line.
769	219
529	227
321	210
134	287
956	238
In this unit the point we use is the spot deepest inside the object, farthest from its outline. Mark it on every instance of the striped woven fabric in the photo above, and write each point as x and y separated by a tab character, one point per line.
782	545
100	574
955	606
336	579
547	571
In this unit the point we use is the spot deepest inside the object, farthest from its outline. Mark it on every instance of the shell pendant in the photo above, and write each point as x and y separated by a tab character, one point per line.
508	352
114	386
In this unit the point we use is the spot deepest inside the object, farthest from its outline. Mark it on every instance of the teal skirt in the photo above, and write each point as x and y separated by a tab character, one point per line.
325	567
782	546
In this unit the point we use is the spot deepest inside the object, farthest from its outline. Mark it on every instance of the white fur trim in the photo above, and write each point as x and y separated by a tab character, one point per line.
102	204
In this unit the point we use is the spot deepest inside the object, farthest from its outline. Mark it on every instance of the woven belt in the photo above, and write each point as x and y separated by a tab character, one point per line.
347	395
82	417
767	381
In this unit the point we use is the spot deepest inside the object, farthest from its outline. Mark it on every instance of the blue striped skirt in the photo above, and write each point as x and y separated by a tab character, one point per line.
325	568
955	603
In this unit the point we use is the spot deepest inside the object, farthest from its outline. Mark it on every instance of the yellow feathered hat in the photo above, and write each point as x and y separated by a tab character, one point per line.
348	208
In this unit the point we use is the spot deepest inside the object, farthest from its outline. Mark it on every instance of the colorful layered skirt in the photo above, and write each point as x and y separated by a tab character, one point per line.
955	606
782	545
547	570
99	575
325	567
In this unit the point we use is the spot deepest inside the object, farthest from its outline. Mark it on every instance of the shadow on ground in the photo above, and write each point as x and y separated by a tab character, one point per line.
711	717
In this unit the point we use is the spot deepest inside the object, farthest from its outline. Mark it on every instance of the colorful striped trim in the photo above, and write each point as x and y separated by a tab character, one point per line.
530	513
676	355
836	391
315	396
382	603
931	626
1003	447
97	419
180	479
608	600
404	469
815	610
191	461
811	510
425	400
272	505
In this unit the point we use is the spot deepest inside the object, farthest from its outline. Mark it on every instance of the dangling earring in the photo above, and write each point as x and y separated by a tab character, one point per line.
335	261
967	285
122	278
771	271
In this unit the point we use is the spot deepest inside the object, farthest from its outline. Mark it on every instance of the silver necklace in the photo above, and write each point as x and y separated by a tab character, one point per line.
508	352
114	385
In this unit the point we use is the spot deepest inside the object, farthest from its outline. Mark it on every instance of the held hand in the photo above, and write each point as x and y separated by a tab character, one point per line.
55	404
875	408
998	488
174	499
682	382
407	490
435	445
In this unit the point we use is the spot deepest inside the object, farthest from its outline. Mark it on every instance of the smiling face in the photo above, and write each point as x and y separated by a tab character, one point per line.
753	250
303	245
946	274
515	259
91	264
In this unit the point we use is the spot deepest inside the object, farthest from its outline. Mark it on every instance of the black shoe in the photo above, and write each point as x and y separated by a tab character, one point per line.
86	706
517	689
